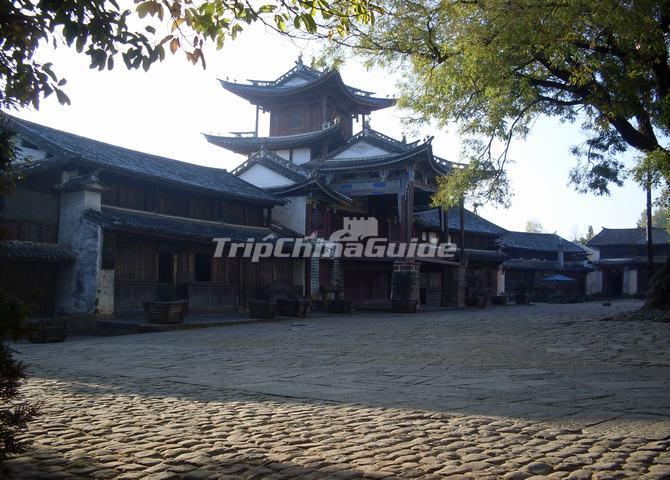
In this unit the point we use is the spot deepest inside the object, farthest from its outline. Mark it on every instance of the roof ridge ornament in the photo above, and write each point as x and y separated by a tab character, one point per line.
366	125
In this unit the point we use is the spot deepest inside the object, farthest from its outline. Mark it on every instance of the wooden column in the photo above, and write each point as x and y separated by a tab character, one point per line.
460	282
444	237
324	110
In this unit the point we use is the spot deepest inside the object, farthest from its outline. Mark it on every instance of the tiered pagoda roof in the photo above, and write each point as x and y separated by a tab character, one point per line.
249	144
303	80
353	156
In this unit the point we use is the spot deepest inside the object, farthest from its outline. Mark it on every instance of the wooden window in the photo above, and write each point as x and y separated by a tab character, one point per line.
131	195
202	208
110	196
253	216
173	203
165	267
233	213
294	120
135	259
203	268
233	271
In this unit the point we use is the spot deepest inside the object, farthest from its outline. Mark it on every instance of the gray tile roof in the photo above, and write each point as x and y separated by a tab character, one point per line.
24	250
473	222
540	242
546	265
274	162
118	219
378	139
71	147
638	260
399	150
258	90
310	184
247	145
342	165
485	255
629	236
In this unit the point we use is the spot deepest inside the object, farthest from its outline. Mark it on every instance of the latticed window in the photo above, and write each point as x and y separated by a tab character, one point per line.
315	218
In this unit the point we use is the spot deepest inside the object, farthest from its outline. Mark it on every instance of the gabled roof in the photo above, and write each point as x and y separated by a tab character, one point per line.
63	146
373	137
24	250
274	162
366	163
473	222
247	145
311	184
540	242
629	236
124	220
302	79
388	151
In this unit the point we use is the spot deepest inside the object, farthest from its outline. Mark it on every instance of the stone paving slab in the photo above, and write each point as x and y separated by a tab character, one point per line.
547	391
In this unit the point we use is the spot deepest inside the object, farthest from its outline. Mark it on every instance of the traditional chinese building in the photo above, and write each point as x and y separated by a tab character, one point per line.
546	265
620	254
96	229
326	171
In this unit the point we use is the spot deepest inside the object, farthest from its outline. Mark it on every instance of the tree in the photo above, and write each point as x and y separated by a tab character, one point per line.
14	414
104	31
660	218
586	238
493	66
534	226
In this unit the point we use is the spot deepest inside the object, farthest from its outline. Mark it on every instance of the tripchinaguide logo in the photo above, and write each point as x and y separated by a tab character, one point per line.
359	238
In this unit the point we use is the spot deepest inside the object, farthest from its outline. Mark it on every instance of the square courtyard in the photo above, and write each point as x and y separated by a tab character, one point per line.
540	391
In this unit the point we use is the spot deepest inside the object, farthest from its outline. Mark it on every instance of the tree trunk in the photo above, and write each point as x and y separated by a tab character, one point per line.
650	236
658	294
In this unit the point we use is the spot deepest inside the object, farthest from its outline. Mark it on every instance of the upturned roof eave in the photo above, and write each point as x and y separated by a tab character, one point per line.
306	184
255	93
370	162
249	145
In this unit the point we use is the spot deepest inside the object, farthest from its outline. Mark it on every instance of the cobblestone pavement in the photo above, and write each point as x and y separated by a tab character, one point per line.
546	391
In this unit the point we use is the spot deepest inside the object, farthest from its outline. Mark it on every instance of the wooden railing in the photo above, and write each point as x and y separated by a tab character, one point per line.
129	295
203	297
208	297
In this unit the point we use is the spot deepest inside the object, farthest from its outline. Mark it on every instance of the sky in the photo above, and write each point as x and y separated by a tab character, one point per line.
166	110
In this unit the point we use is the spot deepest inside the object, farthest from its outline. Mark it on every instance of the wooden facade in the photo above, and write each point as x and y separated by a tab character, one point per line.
34	282
143	196
307	116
